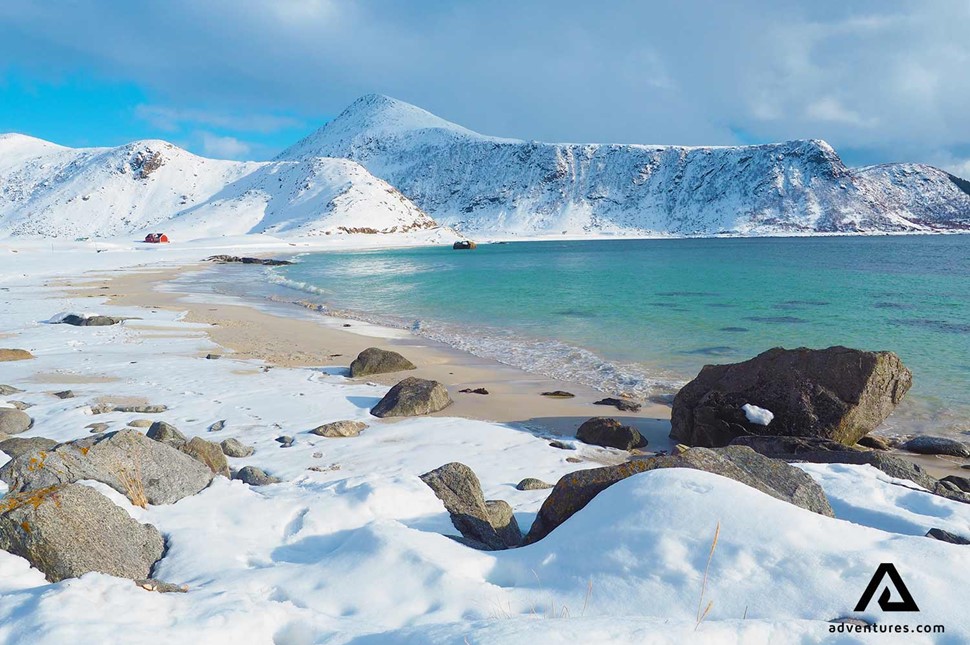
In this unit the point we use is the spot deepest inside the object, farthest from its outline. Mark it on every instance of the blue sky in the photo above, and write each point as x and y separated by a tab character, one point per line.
880	81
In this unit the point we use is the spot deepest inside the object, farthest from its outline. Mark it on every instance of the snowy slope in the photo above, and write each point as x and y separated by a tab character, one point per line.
50	190
490	185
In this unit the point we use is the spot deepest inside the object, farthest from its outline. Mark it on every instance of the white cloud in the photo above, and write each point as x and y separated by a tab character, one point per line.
171	119
829	108
220	147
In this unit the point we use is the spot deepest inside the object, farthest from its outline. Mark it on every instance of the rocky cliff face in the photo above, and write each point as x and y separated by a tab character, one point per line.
483	184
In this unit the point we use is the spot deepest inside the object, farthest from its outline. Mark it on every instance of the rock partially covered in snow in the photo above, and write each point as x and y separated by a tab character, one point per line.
255	476
772	476
127	461
412	397
337	429
836	393
69	530
486	523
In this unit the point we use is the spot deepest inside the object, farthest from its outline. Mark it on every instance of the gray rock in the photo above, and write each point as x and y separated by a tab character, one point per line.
502	519
285	441
7	390
962	483
209	453
7	355
531	483
16	446
14	421
96	428
374	360
623	405
255	476
228	259
90	321
946	536
236	448
64	394
874	442
160	586
213	357
166	433
126	460
823	451
413	397
141	423
20	405
140	409
562	445
836	393
610	433
69	530
456	485
926	445
559	394
218	425
771	476
339	429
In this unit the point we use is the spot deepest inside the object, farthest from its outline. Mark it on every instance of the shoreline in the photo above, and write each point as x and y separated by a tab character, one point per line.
319	341
286	334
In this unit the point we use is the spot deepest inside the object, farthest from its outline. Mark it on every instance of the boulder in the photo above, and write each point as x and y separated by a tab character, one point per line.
141	423
531	483
218	426
610	433
96	428
209	453
623	405
14	421
836	393
374	360
963	483
285	441
492	527
477	390
236	448
126	460
20	405
823	451
412	397
68	530
559	394
946	536
65	394
771	476
874	442
165	433
7	390
7	355
255	476
89	321
926	445
339	429
16	446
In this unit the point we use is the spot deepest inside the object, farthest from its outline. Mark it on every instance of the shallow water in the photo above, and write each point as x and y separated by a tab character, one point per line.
643	316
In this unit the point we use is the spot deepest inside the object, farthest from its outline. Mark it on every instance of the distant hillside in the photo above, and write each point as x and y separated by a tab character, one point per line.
483	184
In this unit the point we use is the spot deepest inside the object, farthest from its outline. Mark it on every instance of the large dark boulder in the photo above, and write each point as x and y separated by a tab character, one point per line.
927	445
68	530
374	360
836	393
609	433
413	397
488	524
128	461
771	476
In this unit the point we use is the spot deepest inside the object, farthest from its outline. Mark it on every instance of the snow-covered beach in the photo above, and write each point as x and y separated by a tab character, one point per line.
350	546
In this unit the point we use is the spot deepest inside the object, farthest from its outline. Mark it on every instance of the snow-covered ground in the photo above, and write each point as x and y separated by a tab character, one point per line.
354	551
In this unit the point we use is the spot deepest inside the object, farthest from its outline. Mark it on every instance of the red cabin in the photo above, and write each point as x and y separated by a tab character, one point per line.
156	238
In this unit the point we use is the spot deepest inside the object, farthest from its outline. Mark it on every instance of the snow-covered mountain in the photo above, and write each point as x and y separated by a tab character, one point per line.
51	190
387	166
482	184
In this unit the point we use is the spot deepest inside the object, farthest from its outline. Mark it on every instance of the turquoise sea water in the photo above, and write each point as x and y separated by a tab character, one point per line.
643	316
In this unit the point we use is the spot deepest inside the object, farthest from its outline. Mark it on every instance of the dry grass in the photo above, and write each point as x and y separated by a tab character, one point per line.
703	610
131	480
